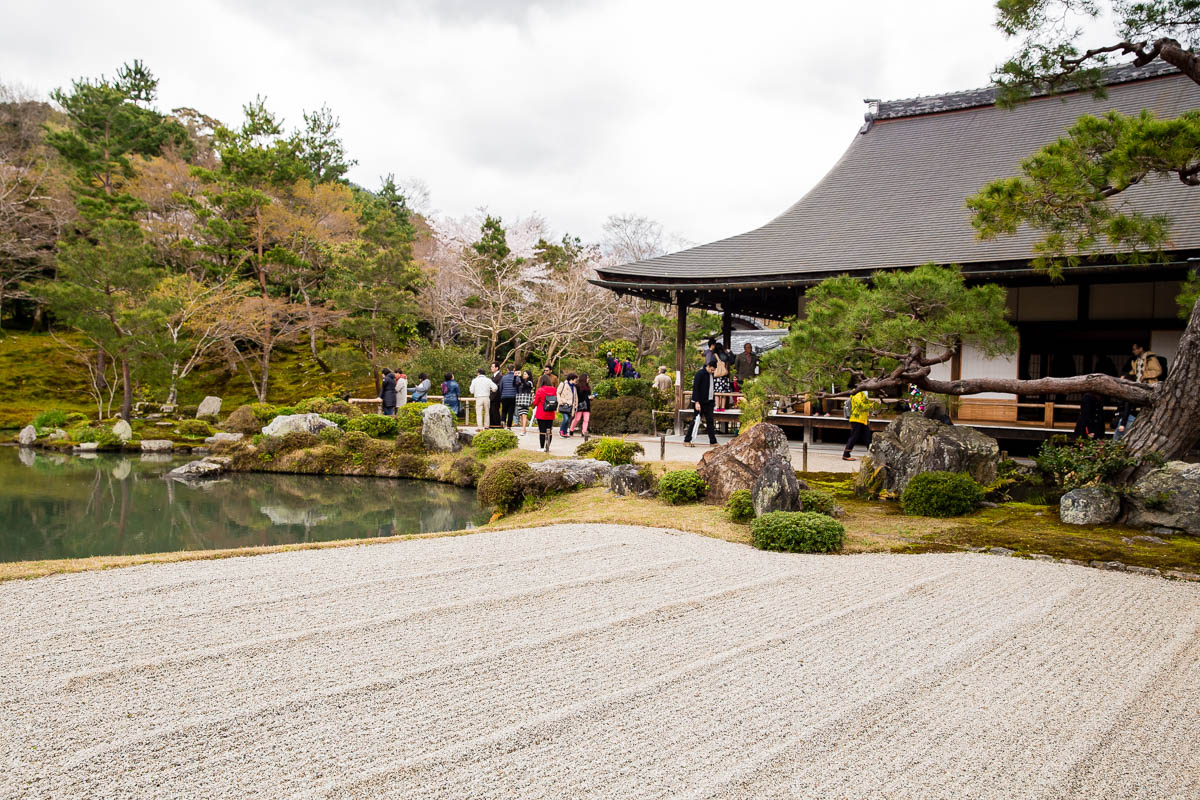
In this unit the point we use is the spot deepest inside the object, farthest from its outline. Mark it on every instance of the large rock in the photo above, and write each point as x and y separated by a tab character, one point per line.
437	430
27	436
209	407
737	464
1089	506
776	488
912	444
157	445
57	435
123	431
571	473
625	479
1168	497
297	423
196	470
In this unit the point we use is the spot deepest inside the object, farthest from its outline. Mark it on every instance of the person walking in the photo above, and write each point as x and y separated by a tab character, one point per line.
664	383
860	423
566	401
524	399
545	405
627	370
482	389
583	406
509	384
745	366
703	402
421	390
401	388
611	363
451	392
387	393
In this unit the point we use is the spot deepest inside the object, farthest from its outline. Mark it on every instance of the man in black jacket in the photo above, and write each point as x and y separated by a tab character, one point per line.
387	393
704	400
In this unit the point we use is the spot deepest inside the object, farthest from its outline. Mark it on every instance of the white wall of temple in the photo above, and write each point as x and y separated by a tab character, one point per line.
976	365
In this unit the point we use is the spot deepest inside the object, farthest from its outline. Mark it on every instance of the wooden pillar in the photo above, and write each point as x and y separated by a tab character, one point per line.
726	327
681	302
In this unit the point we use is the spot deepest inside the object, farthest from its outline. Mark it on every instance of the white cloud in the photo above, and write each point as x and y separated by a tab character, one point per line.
711	117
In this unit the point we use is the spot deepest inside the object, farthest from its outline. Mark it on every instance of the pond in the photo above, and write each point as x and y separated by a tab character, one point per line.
63	506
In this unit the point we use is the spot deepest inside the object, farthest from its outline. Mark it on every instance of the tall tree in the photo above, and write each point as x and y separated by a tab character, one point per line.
1067	189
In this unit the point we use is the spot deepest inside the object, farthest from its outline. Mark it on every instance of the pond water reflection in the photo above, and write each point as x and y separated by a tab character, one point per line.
57	506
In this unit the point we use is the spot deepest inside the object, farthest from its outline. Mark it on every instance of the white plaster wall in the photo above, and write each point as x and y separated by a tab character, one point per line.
976	365
1166	344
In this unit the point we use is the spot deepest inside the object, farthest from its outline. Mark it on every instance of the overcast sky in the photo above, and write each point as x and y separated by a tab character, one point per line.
710	117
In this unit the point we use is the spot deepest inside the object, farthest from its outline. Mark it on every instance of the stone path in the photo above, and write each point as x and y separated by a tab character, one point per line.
599	661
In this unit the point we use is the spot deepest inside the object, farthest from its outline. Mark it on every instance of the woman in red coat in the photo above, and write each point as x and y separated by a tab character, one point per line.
545	419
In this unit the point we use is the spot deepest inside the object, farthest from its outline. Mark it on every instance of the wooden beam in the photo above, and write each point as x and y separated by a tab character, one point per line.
726	327
681	302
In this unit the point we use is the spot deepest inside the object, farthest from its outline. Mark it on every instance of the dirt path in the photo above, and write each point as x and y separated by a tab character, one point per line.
599	661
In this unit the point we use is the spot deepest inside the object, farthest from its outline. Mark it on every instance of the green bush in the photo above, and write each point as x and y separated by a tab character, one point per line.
265	412
376	426
410	465
356	441
337	419
740	506
410	442
408	416
95	433
298	440
315	405
614	451
245	420
74	418
284	411
195	428
797	532
1083	462
502	485
817	500
464	471
492	441
682	486
331	435
624	387
50	419
941	494
647	474
620	415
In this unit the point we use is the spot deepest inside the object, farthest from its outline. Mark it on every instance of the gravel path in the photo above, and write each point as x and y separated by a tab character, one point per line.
599	661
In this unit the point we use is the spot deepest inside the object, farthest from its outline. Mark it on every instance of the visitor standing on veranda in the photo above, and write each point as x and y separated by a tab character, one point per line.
482	388
401	388
450	393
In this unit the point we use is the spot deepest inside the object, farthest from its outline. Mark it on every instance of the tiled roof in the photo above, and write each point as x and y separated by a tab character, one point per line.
896	198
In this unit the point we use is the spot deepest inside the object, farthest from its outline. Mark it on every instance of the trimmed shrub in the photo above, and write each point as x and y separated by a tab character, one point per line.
410	465
620	415
243	420
410	442
797	532
331	435
817	501
337	419
355	441
647	473
315	405
265	412
1083	462
624	387
941	494
492	441
196	428
502	485
740	506
297	440
408	416
377	426
50	419
464	471
614	451
74	418
682	486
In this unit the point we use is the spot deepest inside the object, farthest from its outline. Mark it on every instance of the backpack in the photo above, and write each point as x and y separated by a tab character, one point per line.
550	402
846	407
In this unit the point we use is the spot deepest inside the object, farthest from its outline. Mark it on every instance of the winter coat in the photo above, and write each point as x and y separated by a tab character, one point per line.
539	411
703	387
387	392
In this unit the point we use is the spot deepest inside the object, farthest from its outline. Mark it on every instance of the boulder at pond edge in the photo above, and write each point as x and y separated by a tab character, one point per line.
122	430
571	473
297	423
776	488
1089	505
912	444
27	436
737	464
437	430
1167	497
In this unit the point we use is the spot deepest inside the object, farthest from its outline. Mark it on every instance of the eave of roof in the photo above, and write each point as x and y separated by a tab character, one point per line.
896	197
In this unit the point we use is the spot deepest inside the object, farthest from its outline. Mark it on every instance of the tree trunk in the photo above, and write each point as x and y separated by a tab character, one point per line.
1170	425
126	391
261	389
173	391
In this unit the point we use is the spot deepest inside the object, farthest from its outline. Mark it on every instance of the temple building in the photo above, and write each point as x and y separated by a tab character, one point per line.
896	199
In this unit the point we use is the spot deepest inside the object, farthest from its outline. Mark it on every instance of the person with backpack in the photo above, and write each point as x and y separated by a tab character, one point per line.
859	413
421	390
612	364
545	406
1146	367
450	393
627	370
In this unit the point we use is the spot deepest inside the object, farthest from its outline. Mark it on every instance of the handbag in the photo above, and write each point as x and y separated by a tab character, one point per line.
722	369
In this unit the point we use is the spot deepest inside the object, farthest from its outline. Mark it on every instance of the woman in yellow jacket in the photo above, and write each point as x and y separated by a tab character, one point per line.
860	417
